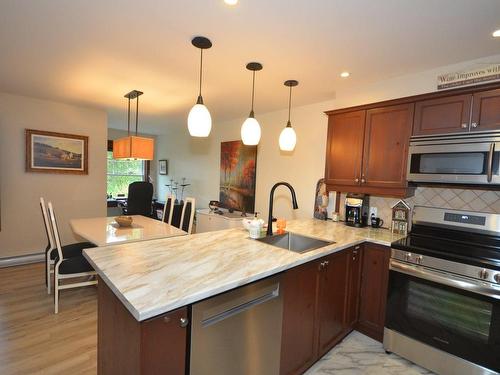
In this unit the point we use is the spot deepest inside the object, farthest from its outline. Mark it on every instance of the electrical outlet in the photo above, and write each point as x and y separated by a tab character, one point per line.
373	211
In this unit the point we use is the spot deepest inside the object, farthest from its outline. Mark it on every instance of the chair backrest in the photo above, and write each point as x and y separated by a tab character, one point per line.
140	198
48	229
55	230
168	210
187	215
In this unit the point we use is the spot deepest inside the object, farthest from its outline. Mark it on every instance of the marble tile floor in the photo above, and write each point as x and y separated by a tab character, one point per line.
358	354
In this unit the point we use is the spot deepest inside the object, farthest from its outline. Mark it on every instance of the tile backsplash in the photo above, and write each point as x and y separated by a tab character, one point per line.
458	199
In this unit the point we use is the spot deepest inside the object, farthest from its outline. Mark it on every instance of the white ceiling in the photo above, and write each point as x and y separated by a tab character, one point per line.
93	52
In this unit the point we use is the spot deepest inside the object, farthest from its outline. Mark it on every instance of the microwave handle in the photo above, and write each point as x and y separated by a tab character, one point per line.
490	161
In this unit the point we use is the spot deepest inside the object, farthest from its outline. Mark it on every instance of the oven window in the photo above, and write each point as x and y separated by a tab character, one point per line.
469	317
452	163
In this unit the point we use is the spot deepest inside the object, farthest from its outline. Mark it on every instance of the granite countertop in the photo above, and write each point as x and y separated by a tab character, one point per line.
157	276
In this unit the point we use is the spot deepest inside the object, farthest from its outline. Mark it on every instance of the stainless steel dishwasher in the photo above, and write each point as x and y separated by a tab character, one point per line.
238	332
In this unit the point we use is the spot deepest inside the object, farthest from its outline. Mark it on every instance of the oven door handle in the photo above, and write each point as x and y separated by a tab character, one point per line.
446	279
490	161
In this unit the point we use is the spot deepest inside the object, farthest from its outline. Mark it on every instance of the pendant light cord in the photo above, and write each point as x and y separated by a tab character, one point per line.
136	114
128	118
289	106
253	93
201	69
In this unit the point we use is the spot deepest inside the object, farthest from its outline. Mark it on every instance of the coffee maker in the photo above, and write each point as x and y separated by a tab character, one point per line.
356	210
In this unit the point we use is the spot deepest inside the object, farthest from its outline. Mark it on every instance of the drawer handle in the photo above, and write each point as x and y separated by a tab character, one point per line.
184	322
474	124
464	126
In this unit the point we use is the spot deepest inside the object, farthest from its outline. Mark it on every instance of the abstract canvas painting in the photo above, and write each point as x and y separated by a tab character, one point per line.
51	152
237	176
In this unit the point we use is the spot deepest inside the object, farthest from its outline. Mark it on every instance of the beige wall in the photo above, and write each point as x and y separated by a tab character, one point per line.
72	195
198	159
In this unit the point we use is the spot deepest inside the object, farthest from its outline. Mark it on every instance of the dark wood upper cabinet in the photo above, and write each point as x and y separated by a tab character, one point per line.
345	148
332	300
355	264
373	294
486	110
442	115
385	155
298	343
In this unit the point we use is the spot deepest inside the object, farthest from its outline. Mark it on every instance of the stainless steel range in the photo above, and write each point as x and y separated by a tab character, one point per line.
443	304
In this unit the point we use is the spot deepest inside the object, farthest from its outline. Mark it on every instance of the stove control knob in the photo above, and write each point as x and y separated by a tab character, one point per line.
419	259
497	277
483	274
408	257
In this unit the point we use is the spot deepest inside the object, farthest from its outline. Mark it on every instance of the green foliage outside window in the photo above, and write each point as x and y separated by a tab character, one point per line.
122	173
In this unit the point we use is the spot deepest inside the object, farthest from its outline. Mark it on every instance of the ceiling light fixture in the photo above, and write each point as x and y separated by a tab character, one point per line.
288	138
231	2
133	147
345	74
250	130
199	119
496	33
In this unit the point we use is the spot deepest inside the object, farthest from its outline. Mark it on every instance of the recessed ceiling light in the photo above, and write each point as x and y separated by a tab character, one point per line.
345	74
496	33
231	2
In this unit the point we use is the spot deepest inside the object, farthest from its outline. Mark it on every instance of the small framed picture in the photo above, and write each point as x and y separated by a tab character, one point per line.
163	167
50	152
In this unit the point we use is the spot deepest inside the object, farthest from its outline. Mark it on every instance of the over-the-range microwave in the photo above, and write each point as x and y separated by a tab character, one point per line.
455	158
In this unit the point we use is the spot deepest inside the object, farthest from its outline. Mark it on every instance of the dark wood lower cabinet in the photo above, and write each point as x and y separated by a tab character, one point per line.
128	347
355	268
373	293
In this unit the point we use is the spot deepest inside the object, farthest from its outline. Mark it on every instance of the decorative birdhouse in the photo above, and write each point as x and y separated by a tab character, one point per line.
400	217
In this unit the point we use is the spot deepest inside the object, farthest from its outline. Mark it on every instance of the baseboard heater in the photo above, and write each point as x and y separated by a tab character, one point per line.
22	259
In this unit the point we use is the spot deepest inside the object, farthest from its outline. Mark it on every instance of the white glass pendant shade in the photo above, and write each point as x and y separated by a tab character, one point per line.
199	121
288	139
250	132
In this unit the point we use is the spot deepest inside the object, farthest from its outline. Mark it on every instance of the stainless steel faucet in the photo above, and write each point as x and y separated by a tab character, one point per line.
271	200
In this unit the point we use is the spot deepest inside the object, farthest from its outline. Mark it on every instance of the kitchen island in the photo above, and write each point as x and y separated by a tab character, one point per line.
159	278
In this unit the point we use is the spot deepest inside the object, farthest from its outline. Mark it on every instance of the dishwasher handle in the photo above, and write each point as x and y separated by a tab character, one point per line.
241	308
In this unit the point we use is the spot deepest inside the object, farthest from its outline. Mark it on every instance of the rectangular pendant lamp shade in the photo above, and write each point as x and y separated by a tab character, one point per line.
133	147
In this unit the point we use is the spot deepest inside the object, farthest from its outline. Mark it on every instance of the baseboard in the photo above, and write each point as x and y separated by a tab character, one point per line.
20	260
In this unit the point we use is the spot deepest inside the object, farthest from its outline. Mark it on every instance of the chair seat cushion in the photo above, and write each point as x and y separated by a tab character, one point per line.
75	265
72	250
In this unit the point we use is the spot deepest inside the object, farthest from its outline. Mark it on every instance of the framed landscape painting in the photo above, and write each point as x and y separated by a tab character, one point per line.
50	152
237	176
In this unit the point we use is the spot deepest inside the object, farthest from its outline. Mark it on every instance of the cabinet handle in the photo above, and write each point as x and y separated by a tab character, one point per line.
474	124
464	125
184	322
356	247
356	180
363	180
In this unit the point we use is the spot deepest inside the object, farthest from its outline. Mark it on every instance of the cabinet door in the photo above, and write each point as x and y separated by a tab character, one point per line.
443	115
344	148
373	295
332	300
164	344
298	343
486	111
387	136
355	263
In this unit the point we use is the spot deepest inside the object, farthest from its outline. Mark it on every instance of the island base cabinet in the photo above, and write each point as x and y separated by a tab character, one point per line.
373	293
129	347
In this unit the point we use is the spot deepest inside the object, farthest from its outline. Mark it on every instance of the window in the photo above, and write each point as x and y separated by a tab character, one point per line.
122	173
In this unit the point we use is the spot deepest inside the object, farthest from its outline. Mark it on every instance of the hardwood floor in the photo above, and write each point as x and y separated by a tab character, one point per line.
33	340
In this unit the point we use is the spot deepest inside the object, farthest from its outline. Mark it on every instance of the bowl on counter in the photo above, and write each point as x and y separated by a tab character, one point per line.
124	221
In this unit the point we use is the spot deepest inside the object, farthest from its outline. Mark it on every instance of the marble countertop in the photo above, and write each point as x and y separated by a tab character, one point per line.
157	276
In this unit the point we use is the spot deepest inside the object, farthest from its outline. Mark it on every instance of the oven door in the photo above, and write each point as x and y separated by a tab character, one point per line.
457	315
465	163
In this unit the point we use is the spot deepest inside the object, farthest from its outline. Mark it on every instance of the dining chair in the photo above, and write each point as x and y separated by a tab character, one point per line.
168	210
187	216
68	268
69	250
140	199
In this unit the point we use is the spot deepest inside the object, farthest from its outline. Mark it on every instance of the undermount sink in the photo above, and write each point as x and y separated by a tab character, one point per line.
295	242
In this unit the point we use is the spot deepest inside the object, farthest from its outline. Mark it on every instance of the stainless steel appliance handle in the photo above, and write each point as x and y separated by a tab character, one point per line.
446	279
240	308
490	161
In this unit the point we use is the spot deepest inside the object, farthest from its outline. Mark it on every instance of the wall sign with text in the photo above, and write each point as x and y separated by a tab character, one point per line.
487	73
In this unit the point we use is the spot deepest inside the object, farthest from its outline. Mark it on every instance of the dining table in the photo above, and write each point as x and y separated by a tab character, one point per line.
105	231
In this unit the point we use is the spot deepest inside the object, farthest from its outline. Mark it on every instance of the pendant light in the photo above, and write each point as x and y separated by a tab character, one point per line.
288	138
250	130
132	146
199	119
